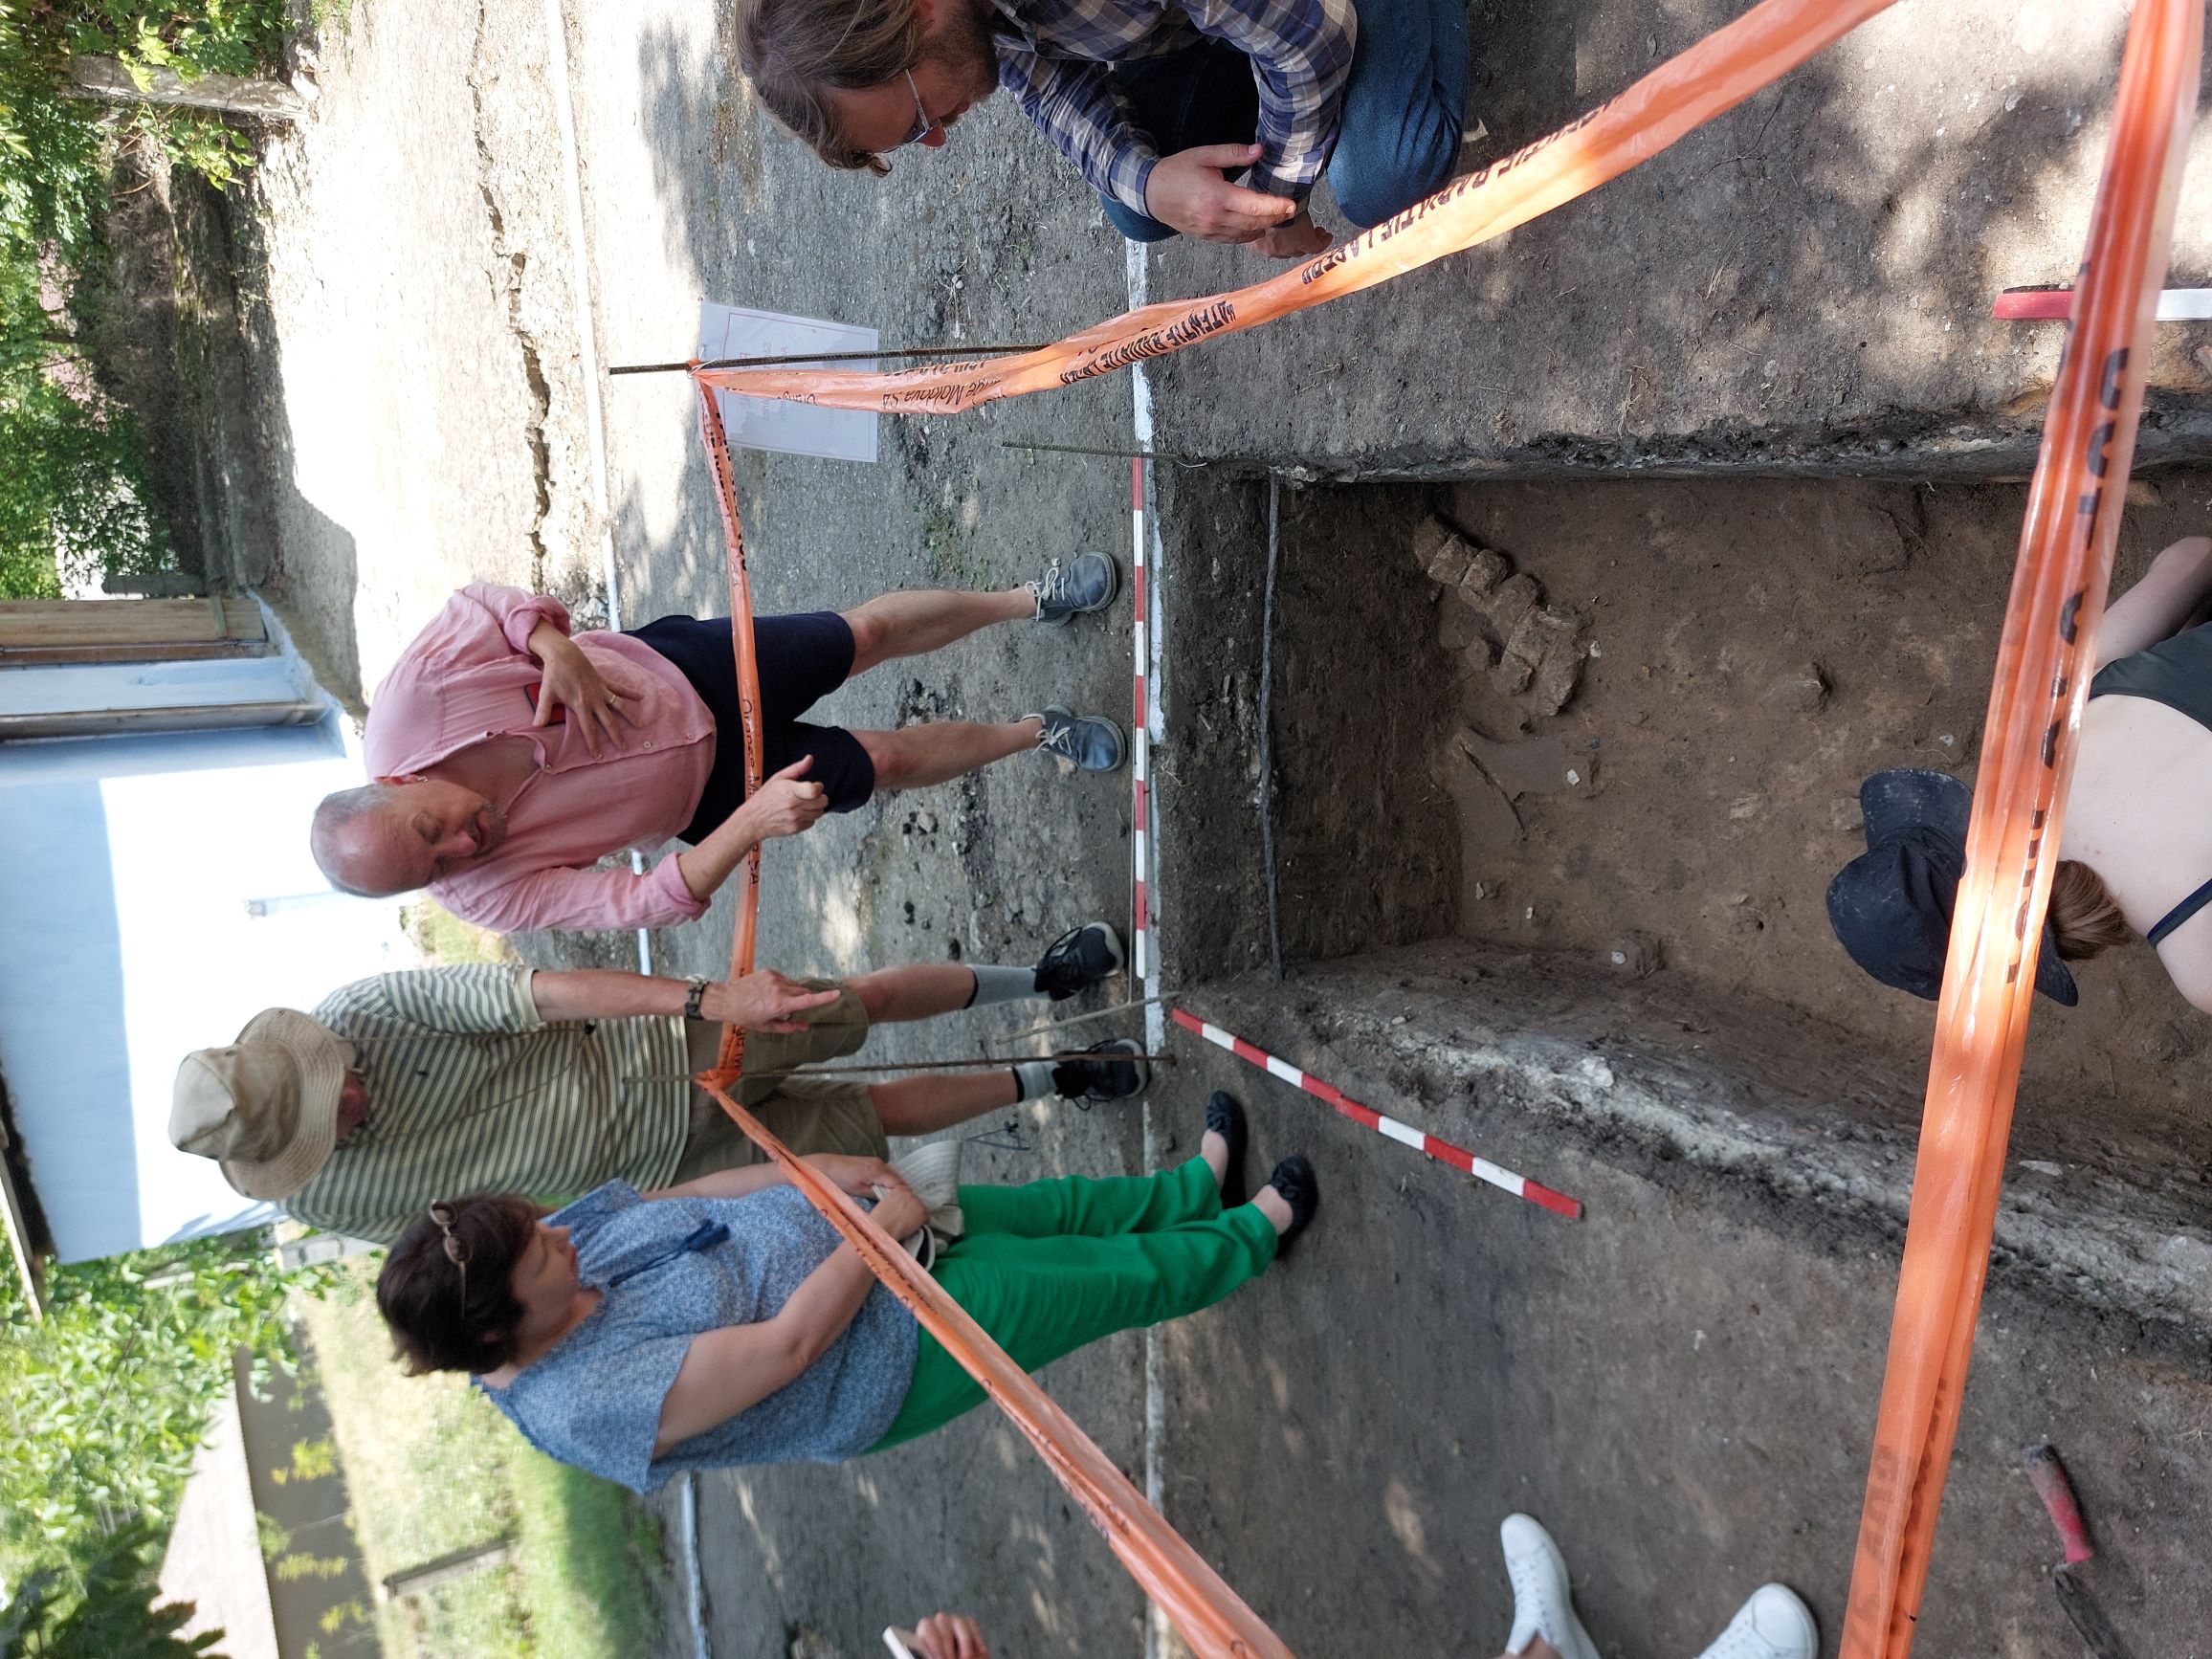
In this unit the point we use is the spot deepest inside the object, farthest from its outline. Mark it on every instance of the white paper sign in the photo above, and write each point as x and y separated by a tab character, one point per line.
792	429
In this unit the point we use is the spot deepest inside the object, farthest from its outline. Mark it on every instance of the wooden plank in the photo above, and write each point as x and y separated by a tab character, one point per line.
200	718
104	77
13	1220
458	1564
152	650
50	622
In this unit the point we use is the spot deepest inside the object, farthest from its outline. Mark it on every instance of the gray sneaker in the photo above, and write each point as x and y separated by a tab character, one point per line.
1092	742
1087	585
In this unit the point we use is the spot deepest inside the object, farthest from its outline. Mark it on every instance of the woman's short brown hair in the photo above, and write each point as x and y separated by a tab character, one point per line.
796	52
2084	918
449	1317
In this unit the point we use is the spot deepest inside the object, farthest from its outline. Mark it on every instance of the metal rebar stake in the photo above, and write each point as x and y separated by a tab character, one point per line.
1268	731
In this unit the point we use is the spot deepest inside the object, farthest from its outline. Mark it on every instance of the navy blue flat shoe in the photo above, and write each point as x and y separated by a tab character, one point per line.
1293	1178
1225	1116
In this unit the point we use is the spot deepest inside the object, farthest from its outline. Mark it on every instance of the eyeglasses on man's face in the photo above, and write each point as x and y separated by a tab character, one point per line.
924	123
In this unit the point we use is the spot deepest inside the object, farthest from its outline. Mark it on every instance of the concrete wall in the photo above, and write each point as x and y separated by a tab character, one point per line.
1519	1055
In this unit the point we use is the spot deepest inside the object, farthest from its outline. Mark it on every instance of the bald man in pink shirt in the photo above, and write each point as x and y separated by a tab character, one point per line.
511	757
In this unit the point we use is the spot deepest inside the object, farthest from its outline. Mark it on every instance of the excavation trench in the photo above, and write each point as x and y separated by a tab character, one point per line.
1576	785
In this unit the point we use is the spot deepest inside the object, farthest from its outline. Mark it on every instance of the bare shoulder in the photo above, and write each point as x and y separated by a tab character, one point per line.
2186	956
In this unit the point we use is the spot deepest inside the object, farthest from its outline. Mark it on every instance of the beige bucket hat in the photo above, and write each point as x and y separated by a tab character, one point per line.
266	1107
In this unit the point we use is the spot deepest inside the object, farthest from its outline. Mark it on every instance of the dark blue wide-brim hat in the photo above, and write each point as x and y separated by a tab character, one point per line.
1891	906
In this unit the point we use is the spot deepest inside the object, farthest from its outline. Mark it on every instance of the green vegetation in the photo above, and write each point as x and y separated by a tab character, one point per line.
73	497
102	1407
445	939
55	150
432	1467
102	1611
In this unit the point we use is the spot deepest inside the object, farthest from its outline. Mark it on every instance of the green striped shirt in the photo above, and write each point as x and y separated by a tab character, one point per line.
469	1091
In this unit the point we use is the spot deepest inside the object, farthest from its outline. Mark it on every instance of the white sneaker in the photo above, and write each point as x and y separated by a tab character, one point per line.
1773	1624
1542	1603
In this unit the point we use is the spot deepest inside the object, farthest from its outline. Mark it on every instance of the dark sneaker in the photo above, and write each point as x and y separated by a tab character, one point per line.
1087	585
1092	742
1114	1074
1079	959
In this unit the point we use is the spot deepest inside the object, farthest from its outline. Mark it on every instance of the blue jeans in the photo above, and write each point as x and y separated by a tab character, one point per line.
1398	129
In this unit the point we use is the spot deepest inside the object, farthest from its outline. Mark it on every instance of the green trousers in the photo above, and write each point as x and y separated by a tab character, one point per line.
1049	1267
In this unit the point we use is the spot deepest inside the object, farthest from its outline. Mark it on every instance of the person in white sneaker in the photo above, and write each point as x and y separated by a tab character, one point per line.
1773	1624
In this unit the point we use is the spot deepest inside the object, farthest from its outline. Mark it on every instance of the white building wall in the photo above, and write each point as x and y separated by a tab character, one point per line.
156	892
128	941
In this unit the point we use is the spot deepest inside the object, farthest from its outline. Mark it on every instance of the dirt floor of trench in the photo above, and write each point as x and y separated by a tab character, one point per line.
1737	657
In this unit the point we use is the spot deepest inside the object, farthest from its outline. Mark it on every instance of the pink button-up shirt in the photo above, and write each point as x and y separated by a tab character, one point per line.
470	676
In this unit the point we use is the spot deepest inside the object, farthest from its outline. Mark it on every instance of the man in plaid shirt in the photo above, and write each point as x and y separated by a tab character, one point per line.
1162	104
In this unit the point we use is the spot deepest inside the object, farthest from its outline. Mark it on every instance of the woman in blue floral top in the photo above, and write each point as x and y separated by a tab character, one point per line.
725	1322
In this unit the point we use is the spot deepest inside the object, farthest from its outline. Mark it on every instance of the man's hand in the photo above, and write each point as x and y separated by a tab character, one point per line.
785	805
762	1002
572	683
1186	190
950	1636
782	806
1295	238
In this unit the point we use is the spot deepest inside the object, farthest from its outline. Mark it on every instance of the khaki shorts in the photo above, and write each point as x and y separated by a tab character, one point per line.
805	1114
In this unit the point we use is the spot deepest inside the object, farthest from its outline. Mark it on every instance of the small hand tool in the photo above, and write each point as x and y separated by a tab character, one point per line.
2048	1475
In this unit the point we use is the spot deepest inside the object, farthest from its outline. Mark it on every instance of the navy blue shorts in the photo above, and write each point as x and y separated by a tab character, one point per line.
802	660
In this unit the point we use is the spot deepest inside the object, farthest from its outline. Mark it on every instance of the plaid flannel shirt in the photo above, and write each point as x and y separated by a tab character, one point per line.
1054	57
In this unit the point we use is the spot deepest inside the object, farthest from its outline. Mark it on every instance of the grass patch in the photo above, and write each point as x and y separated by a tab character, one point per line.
432	1467
446	940
580	1541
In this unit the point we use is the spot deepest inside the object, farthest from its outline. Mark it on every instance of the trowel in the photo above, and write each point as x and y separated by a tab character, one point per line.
2071	1576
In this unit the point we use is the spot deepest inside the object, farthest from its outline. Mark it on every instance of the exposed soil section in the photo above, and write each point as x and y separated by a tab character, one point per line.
1747	653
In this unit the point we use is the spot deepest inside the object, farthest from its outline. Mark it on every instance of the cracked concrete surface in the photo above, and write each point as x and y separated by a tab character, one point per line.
423	408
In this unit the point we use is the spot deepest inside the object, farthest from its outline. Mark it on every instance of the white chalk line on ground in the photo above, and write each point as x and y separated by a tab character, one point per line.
1145	652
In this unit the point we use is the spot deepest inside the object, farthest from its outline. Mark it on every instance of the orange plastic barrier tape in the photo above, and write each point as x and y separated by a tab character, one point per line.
731	1059
1206	1613
1710	78
2043	669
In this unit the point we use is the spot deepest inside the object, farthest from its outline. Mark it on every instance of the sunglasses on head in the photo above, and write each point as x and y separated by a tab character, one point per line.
457	1247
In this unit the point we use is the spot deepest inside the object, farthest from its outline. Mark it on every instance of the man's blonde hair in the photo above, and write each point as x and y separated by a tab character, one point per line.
797	51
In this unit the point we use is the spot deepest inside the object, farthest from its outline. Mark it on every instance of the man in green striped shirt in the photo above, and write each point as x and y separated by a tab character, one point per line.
427	1084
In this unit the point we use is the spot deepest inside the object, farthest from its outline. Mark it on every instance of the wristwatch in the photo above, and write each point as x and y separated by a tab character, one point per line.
699	990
